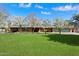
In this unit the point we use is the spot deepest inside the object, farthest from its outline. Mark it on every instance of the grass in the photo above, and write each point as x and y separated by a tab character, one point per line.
35	44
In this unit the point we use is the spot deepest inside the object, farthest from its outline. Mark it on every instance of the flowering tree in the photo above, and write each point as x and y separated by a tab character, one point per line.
3	18
32	20
46	24
58	24
19	22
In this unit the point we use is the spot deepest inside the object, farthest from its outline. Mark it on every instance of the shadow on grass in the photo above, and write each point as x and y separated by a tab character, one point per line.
67	39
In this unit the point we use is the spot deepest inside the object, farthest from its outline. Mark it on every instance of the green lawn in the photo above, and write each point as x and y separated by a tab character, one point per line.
36	44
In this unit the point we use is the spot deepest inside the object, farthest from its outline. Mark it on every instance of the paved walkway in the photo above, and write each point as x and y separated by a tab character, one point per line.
71	33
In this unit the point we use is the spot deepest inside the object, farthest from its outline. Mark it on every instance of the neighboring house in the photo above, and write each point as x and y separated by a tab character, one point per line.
41	29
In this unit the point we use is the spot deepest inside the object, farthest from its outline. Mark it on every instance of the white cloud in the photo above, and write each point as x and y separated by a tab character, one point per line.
46	13
23	5
38	6
66	8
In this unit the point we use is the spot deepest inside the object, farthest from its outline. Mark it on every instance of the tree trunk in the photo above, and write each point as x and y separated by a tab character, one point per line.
59	33
33	29
20	29
45	30
59	29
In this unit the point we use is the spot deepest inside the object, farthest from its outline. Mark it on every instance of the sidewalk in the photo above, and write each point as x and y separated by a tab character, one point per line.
71	33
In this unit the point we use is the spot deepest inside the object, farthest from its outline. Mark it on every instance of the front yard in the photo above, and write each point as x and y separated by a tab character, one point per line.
38	44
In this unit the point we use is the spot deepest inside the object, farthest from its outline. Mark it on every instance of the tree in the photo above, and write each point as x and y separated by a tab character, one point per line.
3	18
75	19
58	24
32	20
46	24
19	22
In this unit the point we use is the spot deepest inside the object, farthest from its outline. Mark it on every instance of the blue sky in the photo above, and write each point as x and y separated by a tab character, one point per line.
42	10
